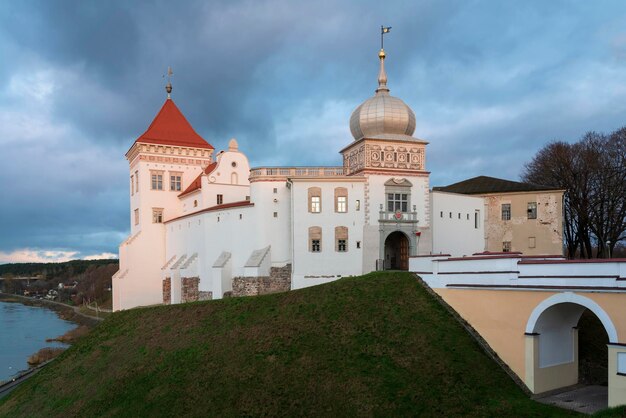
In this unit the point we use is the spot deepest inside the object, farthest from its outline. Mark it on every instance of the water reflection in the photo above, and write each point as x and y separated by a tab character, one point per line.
23	331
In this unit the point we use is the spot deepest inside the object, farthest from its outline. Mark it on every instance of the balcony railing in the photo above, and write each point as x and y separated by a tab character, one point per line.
397	216
264	172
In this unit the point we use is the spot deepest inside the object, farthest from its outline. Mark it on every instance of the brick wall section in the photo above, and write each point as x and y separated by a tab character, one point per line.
278	281
189	289
167	291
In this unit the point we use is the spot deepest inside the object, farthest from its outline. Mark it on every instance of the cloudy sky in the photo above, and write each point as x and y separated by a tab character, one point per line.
490	82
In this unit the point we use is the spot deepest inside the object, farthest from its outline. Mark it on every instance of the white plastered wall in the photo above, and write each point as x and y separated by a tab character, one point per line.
453	221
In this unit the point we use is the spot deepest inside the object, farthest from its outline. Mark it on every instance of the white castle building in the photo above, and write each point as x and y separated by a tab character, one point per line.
205	224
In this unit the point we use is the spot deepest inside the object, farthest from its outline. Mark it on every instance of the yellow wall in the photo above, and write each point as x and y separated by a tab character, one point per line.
500	316
617	383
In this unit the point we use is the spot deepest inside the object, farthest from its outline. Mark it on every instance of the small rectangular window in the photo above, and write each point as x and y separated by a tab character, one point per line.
450	215
316	204
157	181
342	204
357	205
341	245
136	216
220	199
506	211
532	242
137	181
247	198
275	190
532	210
132	185
275	214
175	182
506	246
476	219
621	363
157	216
468	216
358	244
441	214
315	245
459	216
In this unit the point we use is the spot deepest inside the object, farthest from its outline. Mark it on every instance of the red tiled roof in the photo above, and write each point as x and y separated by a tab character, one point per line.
197	183
243	203
170	127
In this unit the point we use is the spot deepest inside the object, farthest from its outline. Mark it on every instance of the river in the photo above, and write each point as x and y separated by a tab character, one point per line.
23	331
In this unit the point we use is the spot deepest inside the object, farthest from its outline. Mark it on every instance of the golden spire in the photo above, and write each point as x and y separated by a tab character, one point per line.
382	75
168	86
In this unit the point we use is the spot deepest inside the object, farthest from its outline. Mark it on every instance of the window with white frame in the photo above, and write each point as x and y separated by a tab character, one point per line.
506	211
315	199
316	204
342	204
506	246
220	199
156	180
398	195
157	215
176	181
341	199
532	210
397	202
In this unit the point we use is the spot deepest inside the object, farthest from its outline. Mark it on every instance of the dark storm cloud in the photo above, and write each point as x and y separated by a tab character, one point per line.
490	83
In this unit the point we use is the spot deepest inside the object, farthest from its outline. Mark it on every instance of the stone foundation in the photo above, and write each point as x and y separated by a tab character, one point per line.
167	291
278	281
189	289
205	295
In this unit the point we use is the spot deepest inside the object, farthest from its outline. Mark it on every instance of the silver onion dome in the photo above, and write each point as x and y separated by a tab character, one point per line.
382	116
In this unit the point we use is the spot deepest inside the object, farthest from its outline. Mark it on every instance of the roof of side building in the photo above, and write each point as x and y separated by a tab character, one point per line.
197	183
485	185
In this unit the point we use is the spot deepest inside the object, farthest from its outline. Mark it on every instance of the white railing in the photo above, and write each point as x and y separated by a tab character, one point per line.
296	172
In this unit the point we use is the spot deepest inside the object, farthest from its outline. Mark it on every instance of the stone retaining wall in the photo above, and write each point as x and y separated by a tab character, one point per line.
189	289
278	281
167	291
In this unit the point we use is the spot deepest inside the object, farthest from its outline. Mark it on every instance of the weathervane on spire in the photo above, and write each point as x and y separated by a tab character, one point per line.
382	75
383	31
168	86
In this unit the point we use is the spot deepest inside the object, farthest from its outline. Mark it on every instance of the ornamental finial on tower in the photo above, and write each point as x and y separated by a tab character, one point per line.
168	86
382	75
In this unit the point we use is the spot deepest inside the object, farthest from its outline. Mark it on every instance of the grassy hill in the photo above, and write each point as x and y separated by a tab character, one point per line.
376	345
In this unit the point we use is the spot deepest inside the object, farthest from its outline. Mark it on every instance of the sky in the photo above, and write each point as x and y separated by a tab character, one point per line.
490	83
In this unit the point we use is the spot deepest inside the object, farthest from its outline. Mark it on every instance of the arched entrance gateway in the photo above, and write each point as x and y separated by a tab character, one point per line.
397	251
552	342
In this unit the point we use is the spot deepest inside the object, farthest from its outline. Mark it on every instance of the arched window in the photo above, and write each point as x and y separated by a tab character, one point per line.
341	239
315	239
234	179
315	199
341	199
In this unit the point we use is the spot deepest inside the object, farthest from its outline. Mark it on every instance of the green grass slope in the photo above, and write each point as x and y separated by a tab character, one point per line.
376	345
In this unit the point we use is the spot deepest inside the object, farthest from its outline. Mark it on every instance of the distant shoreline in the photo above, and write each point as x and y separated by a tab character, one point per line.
67	312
